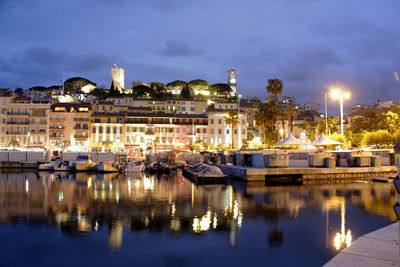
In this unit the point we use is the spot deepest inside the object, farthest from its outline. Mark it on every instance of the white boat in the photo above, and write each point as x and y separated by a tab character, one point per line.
133	166
63	166
49	166
108	166
84	163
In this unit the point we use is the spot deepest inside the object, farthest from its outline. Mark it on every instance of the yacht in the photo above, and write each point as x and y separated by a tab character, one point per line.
133	166
108	166
84	163
63	166
49	166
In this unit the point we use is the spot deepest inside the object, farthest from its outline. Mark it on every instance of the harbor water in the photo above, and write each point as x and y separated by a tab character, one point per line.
88	219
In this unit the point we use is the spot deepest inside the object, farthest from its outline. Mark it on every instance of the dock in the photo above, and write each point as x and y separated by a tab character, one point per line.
251	174
378	248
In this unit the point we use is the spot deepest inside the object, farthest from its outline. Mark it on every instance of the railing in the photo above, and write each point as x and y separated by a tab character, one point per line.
19	113
81	129
39	115
39	123
57	127
81	119
78	136
57	119
38	132
17	133
18	122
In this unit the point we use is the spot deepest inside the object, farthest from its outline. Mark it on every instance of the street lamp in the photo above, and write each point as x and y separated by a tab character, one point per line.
239	136
338	94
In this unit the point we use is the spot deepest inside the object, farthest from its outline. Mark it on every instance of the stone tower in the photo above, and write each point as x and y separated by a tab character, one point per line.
118	78
232	81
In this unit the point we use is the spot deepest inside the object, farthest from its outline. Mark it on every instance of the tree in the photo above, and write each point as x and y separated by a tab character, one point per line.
76	83
13	143
220	88
310	127
389	121
198	85
265	120
177	84
107	144
331	126
141	91
275	88
113	90
355	139
185	93
19	91
231	118
292	112
368	121
380	139
65	144
99	93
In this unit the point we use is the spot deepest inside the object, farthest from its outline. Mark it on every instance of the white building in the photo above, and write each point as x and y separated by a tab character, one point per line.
219	133
311	106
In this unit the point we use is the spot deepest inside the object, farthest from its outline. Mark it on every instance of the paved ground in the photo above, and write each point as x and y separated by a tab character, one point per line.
378	248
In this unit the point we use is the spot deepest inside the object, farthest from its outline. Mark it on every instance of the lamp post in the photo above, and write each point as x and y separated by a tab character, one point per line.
338	94
326	117
238	127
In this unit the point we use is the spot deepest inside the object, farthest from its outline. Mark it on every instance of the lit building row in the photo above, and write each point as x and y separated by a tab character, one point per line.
105	125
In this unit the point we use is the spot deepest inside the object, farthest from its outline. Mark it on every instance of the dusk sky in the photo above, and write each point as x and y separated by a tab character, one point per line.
310	45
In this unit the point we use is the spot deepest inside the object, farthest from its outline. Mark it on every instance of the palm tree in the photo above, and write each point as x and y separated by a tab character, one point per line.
65	144
231	118
292	112
13	143
265	119
275	88
107	144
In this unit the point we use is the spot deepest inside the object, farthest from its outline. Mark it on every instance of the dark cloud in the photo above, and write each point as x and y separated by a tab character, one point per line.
174	48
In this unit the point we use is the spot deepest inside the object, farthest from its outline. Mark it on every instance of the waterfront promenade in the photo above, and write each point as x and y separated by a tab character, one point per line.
378	248
307	173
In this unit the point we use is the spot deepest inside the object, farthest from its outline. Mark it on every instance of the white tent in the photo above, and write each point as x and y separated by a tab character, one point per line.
322	140
290	140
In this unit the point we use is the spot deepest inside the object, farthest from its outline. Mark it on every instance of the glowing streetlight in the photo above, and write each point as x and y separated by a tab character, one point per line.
338	94
239	136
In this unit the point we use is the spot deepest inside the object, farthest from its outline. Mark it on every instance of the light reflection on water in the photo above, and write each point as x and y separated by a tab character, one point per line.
117	204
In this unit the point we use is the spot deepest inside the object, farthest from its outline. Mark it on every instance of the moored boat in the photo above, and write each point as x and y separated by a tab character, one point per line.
63	166
49	166
84	163
108	166
203	173
157	167
133	166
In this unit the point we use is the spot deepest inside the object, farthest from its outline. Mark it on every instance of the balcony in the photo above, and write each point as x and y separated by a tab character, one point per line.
39	115
38	132
17	133
79	136
81	129
57	119
81	119
19	113
39	123
18	122
57	127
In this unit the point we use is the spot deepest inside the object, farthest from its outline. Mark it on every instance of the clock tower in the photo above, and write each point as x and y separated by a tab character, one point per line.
232	81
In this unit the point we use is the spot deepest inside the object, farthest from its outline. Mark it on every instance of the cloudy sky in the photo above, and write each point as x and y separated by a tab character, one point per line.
310	45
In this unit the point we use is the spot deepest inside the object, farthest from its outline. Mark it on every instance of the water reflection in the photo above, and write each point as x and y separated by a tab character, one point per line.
87	202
